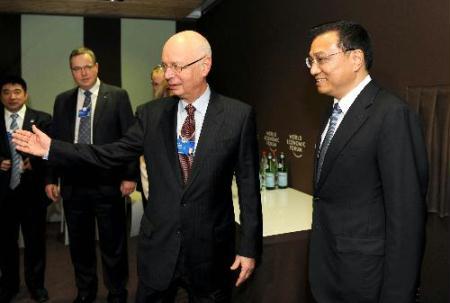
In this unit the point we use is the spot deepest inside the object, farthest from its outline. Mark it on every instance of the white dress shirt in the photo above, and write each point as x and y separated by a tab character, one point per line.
201	105
345	103
19	120
80	100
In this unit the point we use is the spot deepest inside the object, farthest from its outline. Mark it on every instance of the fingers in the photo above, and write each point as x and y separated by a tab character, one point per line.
127	187
247	266
236	263
36	130
52	192
26	165
21	137
5	165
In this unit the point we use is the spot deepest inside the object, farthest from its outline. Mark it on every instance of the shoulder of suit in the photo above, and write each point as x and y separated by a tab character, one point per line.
230	103
111	88
67	94
37	114
41	114
389	99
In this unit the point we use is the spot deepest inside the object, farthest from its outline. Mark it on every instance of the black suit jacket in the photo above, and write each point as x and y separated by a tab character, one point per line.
369	205
200	216
112	118
32	181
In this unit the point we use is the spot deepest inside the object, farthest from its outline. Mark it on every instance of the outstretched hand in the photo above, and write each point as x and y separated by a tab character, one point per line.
35	143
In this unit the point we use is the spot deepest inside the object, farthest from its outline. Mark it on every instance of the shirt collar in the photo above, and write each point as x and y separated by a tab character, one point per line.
201	104
346	101
20	112
94	89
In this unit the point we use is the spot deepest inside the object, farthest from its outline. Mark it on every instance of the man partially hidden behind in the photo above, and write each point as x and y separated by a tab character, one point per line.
370	178
23	203
193	144
160	90
94	113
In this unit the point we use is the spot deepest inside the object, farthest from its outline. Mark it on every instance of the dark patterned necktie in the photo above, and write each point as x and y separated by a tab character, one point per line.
187	133
84	130
328	136
16	169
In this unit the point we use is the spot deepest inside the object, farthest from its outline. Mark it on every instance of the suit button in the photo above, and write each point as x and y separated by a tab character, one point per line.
183	204
178	232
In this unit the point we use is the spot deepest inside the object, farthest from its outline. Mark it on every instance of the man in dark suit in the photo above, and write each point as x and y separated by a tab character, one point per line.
193	144
22	197
94	113
370	179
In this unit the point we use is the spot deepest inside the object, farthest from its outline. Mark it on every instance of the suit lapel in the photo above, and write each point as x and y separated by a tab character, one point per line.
29	120
210	129
318	141
72	114
353	120
168	124
100	105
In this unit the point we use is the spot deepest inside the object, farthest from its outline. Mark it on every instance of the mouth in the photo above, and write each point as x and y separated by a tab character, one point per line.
320	80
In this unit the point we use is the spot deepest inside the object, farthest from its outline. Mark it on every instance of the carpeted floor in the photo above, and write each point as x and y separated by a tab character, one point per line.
59	279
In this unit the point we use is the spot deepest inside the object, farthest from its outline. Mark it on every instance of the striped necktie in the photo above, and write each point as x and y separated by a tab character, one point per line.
16	159
84	130
187	133
337	111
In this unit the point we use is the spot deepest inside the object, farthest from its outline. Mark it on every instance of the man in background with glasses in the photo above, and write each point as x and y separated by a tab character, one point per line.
94	113
370	178
193	144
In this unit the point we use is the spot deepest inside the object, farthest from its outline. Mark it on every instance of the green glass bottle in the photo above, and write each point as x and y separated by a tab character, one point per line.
269	175
282	172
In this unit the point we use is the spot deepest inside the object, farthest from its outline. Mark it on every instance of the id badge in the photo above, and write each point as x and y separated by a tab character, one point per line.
84	112
185	147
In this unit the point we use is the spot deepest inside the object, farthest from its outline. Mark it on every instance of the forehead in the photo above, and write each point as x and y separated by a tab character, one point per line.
12	86
325	42
81	59
157	73
178	50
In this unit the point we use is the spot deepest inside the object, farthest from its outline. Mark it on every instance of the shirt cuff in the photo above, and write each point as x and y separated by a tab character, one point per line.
45	157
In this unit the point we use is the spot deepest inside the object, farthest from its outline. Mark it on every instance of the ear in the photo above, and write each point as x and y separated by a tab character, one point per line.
206	66
358	59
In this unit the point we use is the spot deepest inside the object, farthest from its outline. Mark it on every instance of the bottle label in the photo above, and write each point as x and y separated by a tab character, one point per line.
270	180
282	179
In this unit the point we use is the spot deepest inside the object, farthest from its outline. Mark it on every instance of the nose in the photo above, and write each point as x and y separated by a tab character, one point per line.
168	73
314	70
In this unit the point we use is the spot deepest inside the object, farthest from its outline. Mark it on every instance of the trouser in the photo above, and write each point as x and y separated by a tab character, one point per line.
86	206
21	209
222	294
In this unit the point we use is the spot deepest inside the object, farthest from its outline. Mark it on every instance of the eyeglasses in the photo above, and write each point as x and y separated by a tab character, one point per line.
321	60
86	68
177	68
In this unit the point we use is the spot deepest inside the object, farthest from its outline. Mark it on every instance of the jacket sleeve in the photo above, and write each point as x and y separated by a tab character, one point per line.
131	169
247	179
403	167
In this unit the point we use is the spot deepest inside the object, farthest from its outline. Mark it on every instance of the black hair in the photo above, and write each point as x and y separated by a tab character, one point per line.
13	79
352	35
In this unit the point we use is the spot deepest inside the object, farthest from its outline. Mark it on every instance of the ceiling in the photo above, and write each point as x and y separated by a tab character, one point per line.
149	9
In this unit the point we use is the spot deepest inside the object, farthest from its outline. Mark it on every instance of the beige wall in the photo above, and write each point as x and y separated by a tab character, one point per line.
46	42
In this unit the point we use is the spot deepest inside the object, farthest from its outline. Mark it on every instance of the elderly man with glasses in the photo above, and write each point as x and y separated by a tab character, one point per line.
193	144
370	178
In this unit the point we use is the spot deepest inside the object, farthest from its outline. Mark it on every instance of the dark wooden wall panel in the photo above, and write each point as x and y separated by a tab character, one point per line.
102	35
10	54
259	49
